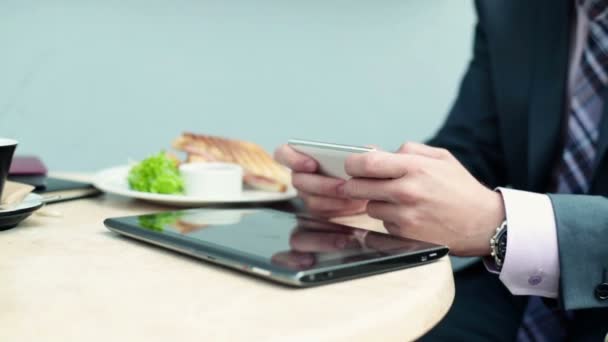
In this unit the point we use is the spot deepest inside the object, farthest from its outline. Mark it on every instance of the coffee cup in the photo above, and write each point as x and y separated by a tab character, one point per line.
7	149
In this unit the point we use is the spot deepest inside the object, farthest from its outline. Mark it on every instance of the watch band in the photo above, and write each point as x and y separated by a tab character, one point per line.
498	245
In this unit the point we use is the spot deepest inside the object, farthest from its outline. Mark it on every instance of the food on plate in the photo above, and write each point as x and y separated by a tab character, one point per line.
161	174
261	171
158	174
264	183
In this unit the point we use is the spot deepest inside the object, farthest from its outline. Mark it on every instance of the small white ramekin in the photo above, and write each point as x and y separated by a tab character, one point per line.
212	181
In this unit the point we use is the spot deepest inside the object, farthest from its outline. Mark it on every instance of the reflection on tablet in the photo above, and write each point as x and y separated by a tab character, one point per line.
295	250
287	241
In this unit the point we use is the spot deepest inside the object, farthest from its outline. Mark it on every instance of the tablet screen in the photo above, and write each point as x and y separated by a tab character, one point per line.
272	237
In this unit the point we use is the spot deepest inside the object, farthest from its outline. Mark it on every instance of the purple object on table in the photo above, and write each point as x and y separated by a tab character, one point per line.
27	165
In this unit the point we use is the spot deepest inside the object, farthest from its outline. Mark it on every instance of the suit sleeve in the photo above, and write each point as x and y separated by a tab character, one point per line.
471	130
583	248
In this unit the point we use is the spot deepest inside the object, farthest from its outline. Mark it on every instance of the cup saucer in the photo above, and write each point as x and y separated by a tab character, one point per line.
12	215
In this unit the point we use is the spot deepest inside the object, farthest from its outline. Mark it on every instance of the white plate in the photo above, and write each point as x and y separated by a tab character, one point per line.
114	181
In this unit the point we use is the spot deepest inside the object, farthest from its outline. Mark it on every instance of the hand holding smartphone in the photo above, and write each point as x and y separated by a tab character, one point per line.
331	157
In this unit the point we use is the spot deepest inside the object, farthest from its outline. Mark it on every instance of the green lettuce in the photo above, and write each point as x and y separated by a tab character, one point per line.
158	174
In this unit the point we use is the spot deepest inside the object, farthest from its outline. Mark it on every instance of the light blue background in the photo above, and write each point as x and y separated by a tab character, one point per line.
90	84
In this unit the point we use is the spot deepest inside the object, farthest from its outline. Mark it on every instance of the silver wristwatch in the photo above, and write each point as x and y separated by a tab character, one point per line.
498	245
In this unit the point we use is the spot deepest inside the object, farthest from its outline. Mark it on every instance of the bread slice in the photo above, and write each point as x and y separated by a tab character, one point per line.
260	169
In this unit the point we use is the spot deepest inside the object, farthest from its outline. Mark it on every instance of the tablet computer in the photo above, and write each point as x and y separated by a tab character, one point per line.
287	248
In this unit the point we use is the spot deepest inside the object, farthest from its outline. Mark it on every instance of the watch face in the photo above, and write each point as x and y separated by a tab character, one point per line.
501	245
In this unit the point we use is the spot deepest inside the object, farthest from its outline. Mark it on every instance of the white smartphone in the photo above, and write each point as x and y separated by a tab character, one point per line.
331	157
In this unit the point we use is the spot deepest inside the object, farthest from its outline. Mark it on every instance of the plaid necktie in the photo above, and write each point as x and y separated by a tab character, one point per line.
576	166
575	169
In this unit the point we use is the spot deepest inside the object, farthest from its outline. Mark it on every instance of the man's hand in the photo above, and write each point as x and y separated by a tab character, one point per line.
424	193
320	193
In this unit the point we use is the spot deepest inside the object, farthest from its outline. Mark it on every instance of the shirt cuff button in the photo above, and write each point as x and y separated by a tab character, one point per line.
535	280
601	291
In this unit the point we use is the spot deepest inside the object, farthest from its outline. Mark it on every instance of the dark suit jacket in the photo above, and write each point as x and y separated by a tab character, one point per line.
506	127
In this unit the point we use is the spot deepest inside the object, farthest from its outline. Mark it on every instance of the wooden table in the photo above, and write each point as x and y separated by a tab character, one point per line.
70	279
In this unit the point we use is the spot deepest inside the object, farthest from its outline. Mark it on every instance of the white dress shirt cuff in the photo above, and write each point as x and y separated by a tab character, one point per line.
531	265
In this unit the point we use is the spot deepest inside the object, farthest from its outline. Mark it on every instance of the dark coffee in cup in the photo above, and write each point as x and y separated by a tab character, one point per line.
7	149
